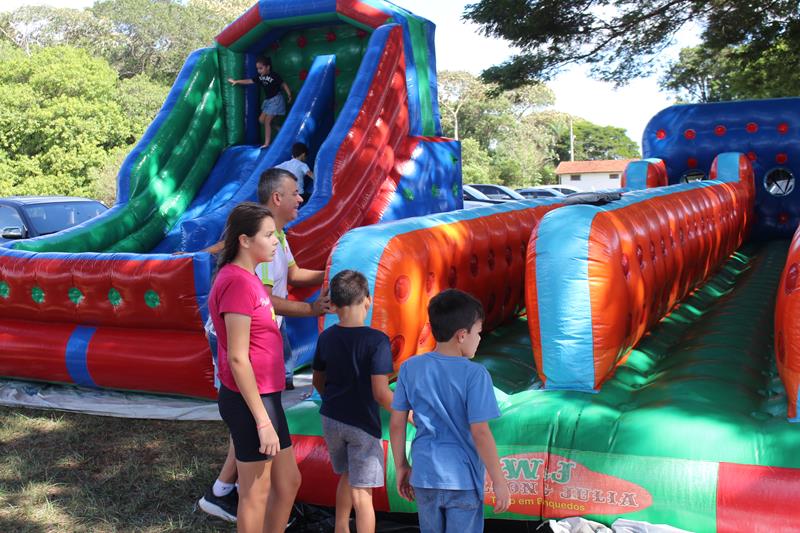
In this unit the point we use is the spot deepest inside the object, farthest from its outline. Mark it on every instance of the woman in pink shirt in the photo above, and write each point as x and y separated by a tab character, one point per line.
251	372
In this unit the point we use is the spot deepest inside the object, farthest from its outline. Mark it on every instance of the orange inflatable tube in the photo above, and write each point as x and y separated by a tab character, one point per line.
481	251
599	277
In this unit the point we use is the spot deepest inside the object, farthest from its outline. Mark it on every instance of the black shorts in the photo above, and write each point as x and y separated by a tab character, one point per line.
242	425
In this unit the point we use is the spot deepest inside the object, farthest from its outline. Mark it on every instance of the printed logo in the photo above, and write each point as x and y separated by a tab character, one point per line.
264	302
552	486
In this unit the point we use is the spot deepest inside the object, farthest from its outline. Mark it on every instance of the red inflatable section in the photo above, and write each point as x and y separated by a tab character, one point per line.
134	324
787	326
363	162
319	480
756	498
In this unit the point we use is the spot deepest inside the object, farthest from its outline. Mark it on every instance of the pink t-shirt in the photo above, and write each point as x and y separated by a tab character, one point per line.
238	291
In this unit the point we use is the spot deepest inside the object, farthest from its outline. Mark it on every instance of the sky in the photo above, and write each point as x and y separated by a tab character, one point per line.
459	46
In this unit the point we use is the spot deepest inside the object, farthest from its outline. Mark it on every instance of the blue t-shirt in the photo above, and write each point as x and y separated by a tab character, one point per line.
350	357
447	394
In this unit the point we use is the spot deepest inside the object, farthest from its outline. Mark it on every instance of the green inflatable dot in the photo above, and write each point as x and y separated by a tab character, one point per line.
453	159
435	191
114	297
37	294
408	193
151	299
5	290
456	190
75	295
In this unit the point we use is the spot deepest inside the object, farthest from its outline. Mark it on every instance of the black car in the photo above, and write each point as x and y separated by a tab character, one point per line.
24	217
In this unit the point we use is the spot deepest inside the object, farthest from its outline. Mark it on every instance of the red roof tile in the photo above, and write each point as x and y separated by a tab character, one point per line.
586	167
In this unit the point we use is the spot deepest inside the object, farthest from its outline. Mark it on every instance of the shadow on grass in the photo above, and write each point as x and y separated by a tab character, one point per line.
73	472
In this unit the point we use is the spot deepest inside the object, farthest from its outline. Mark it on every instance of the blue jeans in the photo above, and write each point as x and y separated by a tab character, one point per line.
289	359
449	511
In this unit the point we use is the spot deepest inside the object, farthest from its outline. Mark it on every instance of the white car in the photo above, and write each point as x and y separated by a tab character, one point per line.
498	192
546	191
475	198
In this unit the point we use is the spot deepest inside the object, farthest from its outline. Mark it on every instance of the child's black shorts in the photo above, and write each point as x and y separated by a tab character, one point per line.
242	425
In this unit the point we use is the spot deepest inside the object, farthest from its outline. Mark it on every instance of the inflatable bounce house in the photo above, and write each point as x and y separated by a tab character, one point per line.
644	346
107	304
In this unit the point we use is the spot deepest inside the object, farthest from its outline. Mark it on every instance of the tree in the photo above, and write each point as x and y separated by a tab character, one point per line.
704	75
594	142
31	27
225	11
623	40
63	113
151	37
476	163
457	89
154	37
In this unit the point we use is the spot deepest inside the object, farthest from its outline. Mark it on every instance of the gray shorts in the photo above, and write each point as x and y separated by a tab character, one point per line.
274	106
354	452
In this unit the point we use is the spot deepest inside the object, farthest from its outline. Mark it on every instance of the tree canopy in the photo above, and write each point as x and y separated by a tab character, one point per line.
151	37
62	112
704	75
513	136
623	40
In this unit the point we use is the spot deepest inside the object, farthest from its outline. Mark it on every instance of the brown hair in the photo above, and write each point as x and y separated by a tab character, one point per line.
245	219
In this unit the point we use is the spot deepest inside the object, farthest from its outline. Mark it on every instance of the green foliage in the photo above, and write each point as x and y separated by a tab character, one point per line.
140	98
623	40
154	37
151	37
594	142
702	74
63	116
476	163
502	140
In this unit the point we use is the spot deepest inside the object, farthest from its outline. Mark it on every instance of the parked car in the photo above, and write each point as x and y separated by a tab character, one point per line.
475	198
498	192
546	191
539	192
24	217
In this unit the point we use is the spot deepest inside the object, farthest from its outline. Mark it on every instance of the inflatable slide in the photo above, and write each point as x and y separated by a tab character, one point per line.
107	304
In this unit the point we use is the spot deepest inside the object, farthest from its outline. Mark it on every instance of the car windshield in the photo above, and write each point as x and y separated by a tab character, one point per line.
51	218
471	193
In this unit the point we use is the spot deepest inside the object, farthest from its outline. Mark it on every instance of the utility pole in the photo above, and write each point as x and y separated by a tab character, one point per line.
571	141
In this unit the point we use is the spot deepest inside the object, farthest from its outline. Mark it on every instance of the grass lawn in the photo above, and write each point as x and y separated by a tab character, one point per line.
64	472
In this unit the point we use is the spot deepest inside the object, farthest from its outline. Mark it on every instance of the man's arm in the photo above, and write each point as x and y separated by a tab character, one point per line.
487	450
303	277
286	307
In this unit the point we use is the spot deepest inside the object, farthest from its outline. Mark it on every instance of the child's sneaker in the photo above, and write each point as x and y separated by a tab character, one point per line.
223	507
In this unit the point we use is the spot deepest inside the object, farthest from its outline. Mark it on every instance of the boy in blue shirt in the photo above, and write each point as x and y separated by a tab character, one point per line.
351	367
452	399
